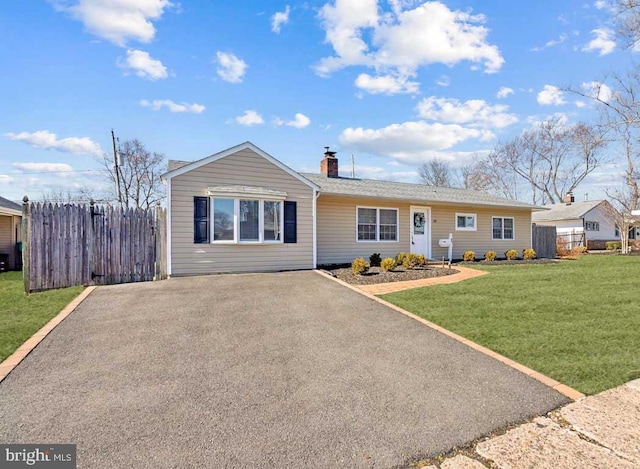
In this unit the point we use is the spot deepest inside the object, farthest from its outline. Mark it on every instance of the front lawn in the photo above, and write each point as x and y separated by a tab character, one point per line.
575	321
21	316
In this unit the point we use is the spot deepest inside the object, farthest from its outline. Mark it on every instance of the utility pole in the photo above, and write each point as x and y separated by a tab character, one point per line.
116	169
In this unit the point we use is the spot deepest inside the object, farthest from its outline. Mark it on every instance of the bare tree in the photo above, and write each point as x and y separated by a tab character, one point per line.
620	119
138	174
553	158
490	174
627	21
61	195
437	172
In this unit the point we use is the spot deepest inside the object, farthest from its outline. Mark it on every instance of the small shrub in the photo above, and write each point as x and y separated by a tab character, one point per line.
613	245
374	259
490	256
360	266
511	255
529	254
578	251
400	257
388	264
410	261
422	260
561	251
469	256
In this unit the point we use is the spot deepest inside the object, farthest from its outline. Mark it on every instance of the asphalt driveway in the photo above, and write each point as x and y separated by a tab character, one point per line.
265	370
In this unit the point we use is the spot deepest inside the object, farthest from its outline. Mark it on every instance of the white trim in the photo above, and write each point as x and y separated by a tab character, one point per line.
427	210
461	214
513	219
236	222
246	192
169	227
378	240
10	212
230	151
314	213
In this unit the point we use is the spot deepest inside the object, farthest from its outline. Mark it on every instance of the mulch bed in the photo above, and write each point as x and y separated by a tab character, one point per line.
376	275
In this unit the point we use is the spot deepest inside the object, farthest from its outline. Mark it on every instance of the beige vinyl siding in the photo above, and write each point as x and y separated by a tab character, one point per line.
245	168
443	222
8	239
337	230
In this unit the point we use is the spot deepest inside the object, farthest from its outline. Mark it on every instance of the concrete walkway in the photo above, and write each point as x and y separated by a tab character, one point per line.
601	431
464	273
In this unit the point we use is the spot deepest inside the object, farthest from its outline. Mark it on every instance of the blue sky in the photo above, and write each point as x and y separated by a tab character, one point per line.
394	83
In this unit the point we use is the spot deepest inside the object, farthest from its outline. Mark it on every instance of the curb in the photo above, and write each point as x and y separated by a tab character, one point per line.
25	349
552	383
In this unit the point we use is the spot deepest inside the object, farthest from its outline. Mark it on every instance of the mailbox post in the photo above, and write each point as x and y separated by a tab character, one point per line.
447	243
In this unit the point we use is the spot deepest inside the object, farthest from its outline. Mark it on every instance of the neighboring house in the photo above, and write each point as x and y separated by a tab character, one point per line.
10	234
242	210
579	222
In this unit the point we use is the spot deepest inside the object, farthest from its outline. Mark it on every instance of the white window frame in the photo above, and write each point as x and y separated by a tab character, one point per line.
236	221
378	240
503	238
475	221
595	225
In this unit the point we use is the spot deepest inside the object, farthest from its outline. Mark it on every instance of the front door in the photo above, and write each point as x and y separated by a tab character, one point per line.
421	231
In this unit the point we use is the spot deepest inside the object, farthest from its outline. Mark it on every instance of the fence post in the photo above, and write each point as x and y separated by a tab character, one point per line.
90	237
26	244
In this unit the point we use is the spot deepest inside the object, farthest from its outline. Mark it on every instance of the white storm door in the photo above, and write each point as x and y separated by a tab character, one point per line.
421	231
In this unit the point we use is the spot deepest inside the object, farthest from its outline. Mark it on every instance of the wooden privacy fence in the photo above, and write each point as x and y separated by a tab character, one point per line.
68	245
544	241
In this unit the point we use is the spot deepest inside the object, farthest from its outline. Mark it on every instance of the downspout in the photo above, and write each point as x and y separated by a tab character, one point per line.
168	182
316	194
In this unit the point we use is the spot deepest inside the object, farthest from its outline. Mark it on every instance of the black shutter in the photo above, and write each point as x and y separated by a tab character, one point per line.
290	222
200	220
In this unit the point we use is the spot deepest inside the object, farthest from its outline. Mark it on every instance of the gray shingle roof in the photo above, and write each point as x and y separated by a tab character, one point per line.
172	165
565	211
409	192
6	203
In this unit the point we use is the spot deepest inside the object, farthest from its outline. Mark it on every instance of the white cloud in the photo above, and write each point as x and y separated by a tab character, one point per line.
386	84
299	121
143	65
553	42
580	104
60	169
382	173
444	81
600	4
6	179
249	118
279	18
603	42
49	140
116	20
551	95
158	104
403	40
504	91
409	142
230	67
597	90
474	112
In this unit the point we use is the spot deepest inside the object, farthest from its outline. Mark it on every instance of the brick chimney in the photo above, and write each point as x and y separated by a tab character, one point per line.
569	198
329	164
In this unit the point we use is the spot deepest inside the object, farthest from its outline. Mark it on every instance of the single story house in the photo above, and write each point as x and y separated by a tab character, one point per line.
10	234
582	223
242	210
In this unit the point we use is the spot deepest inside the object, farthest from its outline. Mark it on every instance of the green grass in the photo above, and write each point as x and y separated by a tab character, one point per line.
576	321
21	316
